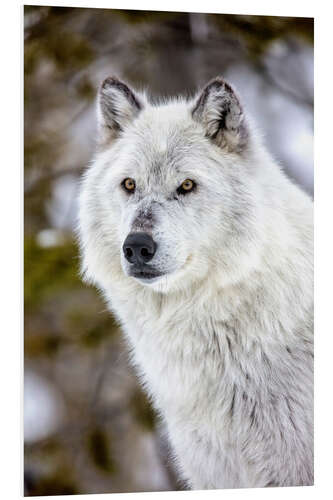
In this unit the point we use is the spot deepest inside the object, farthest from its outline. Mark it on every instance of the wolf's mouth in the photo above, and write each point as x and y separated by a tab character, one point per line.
145	274
149	274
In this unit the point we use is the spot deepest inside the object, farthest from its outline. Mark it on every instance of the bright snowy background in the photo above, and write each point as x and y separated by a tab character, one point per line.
88	427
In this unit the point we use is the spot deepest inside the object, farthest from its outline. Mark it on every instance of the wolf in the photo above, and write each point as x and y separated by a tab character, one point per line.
202	248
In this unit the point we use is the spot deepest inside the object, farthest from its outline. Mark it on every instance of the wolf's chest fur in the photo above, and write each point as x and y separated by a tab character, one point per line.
229	390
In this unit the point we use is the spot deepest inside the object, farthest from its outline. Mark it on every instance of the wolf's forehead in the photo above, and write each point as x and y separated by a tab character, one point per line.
167	144
164	140
157	162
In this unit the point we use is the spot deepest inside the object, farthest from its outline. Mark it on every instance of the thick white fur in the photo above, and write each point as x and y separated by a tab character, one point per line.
222	341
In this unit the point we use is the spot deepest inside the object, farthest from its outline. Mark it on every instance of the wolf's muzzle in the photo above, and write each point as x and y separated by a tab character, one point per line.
139	248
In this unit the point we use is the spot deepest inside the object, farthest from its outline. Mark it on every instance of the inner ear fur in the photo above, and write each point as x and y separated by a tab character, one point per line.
220	112
118	106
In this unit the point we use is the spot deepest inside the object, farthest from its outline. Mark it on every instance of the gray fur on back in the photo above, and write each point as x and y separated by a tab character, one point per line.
222	341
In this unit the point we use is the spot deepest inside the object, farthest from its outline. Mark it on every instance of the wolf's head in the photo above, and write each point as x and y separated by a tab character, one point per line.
172	194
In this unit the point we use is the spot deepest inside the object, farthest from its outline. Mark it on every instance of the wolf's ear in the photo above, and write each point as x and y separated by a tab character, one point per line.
118	105
218	109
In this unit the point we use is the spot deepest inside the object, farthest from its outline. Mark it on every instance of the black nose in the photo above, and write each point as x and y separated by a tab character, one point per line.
139	248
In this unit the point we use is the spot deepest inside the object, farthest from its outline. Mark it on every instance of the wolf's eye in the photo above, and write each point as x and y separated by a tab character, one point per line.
129	185
186	187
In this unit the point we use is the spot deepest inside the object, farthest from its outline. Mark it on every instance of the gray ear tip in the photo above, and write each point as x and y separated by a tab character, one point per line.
219	79
110	81
220	82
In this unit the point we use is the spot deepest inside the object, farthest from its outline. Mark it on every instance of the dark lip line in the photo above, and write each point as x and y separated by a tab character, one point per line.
145	275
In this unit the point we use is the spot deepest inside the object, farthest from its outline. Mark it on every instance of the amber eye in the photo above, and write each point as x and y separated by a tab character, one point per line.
186	187
129	184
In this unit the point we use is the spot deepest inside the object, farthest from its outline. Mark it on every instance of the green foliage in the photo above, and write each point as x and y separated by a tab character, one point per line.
42	343
89	325
47	270
142	410
257	32
59	308
56	476
56	484
134	17
99	450
53	39
85	90
68	50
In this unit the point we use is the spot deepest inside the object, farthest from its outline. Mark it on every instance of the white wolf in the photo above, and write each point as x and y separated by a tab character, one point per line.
203	250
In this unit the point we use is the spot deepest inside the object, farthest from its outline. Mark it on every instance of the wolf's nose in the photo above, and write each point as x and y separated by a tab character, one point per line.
139	248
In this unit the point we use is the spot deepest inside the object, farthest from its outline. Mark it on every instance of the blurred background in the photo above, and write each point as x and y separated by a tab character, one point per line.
88	426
